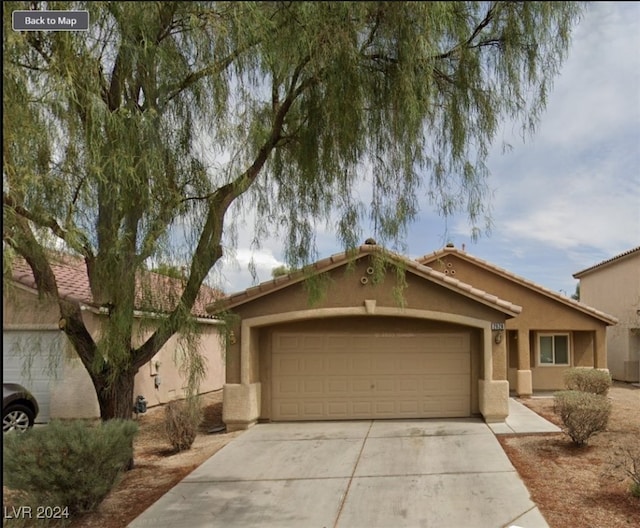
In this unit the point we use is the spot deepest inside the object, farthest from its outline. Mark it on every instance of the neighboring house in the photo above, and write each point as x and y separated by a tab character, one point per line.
614	286
38	355
358	354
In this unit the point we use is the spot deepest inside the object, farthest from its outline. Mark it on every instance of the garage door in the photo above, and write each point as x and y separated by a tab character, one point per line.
33	359
347	376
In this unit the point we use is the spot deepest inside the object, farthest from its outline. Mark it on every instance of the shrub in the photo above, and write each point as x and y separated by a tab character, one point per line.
588	380
68	463
626	462
182	419
583	414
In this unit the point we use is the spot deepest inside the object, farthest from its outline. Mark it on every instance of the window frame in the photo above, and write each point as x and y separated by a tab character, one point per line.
539	337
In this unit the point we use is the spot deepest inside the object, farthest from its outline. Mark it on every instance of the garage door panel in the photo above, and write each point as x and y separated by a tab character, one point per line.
328	376
33	358
288	387
335	365
337	387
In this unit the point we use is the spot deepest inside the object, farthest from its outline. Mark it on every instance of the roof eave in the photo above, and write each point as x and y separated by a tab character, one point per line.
587	310
606	263
340	259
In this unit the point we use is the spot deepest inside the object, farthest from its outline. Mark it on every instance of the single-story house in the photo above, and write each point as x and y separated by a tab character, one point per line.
614	286
37	354
449	350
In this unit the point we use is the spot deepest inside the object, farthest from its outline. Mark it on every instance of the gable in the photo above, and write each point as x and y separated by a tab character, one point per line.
542	307
347	280
620	264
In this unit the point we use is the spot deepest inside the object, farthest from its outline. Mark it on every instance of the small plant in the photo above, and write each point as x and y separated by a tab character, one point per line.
588	380
182	418
68	463
583	414
626	463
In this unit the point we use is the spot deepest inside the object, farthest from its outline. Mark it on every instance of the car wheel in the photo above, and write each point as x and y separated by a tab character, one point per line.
17	418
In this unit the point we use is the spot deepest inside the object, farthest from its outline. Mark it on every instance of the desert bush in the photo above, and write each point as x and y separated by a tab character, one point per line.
583	414
625	463
71	464
588	380
182	418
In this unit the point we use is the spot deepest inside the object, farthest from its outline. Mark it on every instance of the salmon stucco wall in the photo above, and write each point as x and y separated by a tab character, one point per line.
73	394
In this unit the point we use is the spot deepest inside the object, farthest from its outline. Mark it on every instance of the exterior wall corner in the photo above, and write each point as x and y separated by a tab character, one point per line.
494	400
241	405
524	386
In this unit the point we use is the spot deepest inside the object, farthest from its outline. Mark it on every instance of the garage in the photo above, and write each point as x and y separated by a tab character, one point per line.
411	343
343	376
33	358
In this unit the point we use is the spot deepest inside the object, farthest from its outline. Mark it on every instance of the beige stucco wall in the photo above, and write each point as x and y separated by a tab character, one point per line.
615	289
73	395
540	314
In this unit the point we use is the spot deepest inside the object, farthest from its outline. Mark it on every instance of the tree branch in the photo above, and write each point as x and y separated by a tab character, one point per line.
209	250
49	222
467	43
194	77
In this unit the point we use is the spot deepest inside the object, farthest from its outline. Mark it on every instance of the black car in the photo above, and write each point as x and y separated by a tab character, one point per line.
19	408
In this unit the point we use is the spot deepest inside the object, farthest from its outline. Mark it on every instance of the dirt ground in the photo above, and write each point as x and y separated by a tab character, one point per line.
581	487
573	487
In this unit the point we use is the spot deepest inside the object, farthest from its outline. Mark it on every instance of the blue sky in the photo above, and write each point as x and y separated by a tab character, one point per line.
566	199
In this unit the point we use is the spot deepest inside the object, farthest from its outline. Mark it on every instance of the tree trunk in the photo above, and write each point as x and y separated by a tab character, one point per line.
116	399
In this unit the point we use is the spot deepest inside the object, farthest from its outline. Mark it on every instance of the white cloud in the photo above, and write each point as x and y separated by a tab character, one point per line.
233	272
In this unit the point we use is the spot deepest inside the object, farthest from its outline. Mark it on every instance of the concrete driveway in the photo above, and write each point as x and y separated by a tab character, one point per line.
392	473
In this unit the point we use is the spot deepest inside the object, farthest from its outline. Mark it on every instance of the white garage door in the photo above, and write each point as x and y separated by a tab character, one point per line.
352	376
33	359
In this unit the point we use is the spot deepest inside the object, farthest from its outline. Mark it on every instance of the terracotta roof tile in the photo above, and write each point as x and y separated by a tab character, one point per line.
339	259
154	292
429	257
579	274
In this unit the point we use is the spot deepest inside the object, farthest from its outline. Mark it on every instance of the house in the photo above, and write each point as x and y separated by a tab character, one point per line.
614	286
38	355
452	349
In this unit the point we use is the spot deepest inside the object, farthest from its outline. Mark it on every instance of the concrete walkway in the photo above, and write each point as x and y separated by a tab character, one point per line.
369	474
523	420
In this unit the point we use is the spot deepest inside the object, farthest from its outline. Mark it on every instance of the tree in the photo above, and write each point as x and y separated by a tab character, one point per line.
279	271
576	294
168	270
167	120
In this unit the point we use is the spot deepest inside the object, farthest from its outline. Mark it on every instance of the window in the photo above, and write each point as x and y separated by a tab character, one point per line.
553	349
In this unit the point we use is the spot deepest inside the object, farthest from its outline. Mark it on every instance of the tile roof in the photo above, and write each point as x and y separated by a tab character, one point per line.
579	274
339	259
430	257
154	292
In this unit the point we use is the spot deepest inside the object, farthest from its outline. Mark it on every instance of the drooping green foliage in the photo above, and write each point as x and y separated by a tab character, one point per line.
135	139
